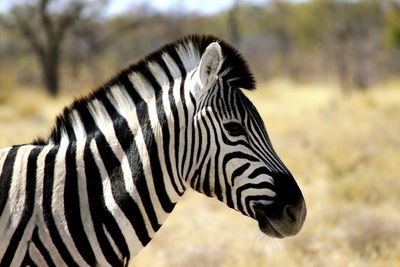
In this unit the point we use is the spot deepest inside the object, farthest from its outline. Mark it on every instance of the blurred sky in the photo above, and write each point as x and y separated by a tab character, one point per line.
183	6
198	6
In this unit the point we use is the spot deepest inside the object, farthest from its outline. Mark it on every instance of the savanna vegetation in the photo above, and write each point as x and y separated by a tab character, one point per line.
343	152
65	44
328	90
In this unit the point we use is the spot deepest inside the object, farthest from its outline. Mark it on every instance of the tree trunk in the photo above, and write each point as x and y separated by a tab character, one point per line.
45	32
51	78
50	70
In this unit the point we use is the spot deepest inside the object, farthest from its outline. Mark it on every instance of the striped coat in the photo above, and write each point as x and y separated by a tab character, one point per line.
117	161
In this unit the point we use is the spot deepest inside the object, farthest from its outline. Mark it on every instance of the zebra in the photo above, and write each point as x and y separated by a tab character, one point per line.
117	161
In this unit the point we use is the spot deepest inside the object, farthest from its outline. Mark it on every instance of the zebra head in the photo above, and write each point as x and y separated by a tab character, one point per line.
235	160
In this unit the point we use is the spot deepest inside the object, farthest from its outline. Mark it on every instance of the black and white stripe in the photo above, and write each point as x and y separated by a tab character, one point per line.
95	192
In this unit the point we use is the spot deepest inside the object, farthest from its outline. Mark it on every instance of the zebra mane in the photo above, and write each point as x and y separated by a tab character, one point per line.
189	49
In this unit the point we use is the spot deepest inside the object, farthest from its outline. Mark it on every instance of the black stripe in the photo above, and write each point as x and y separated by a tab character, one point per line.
186	123
241	103
195	182
42	249
239	171
255	198
199	140
177	122
126	139
162	118
6	176
175	114
218	180
27	261
206	180
239	191
233	105
151	146
240	155
260	185
127	142
226	99
190	163
262	136
182	70
47	212
28	207
202	161
258	171
99	212
238	142
156	170
165	129
121	196
129	146
72	208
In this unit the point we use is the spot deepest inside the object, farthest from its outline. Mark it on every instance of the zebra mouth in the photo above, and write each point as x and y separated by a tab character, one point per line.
264	223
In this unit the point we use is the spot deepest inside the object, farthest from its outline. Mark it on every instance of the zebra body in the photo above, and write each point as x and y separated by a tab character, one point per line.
116	163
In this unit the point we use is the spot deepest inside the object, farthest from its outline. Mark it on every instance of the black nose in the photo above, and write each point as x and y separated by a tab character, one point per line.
284	217
280	222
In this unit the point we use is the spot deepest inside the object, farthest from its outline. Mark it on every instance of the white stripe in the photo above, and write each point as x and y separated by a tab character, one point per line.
203	121
36	256
43	232
145	159
3	156
188	84
254	192
112	243
77	125
159	74
57	204
190	56
172	67
105	125
123	103
14	208
171	145
274	163
133	124
143	88
150	100
5	215
182	123
141	144
176	74
86	216
199	146
123	223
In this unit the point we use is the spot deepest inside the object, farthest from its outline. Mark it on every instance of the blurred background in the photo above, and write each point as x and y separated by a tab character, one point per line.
328	90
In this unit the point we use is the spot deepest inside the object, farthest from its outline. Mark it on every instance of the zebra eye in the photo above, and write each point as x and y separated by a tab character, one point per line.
235	129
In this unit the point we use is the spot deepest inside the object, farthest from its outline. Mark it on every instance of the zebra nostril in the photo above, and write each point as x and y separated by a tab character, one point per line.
290	212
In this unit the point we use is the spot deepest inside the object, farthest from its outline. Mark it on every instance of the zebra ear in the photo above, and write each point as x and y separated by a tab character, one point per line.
210	64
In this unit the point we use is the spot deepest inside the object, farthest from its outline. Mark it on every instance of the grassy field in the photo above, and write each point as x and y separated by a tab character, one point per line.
343	151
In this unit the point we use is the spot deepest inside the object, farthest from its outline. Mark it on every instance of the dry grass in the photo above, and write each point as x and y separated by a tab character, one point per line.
26	114
345	153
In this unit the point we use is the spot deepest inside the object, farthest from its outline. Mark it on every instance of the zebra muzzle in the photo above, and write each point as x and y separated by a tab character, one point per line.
280	220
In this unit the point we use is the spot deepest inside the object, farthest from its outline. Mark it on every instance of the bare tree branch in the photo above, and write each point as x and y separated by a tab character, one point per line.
28	32
45	31
68	19
47	23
